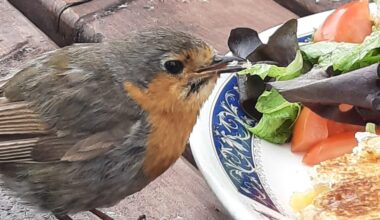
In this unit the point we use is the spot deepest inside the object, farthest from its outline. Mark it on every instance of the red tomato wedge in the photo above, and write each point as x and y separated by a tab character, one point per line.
348	23
334	127
332	147
309	129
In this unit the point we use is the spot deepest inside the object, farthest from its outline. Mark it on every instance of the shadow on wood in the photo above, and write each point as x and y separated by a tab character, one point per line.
307	7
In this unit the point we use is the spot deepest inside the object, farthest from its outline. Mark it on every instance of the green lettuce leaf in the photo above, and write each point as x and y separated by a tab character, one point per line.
344	57
316	52
278	117
352	59
278	114
280	73
324	54
261	70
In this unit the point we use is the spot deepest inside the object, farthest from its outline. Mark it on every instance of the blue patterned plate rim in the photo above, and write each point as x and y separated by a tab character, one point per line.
233	142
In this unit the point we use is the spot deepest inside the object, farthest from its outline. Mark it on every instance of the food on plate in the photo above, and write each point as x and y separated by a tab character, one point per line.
348	23
279	59
359	88
312	94
331	147
307	121
322	128
347	187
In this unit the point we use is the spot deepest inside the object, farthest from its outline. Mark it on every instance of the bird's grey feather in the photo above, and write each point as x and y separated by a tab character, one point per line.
83	142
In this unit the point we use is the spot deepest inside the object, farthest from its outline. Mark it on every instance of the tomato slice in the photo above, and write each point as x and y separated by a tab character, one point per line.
334	146
334	127
308	130
348	23
330	148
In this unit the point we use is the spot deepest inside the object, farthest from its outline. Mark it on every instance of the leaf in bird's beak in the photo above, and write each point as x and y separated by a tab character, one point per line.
243	41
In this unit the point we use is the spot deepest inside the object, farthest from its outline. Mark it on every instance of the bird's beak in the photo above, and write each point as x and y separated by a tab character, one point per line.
224	64
219	65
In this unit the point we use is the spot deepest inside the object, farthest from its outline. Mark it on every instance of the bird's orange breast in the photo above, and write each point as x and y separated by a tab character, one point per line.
171	122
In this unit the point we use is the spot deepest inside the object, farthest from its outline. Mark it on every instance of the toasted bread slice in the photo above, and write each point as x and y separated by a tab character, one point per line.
351	185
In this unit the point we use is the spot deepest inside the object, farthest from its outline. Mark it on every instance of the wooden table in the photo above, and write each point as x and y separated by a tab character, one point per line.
112	19
306	7
181	193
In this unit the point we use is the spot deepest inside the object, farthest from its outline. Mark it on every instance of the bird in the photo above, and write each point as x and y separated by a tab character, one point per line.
84	126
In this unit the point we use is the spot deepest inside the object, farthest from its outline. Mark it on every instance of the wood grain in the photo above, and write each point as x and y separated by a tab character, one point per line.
44	14
211	20
20	40
307	7
114	19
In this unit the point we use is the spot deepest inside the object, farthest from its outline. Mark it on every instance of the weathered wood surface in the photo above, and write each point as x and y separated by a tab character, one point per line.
114	19
19	39
308	7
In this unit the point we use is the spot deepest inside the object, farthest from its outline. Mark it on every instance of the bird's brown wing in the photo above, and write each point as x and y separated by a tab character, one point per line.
62	107
25	137
20	131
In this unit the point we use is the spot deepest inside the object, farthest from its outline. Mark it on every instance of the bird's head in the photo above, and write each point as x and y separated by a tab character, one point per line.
174	69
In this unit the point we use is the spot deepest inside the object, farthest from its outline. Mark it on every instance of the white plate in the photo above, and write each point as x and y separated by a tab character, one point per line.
252	178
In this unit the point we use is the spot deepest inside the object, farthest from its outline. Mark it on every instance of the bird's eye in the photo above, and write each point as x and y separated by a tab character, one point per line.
174	66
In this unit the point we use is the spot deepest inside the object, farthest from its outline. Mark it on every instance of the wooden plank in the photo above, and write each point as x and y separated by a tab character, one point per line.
113	19
44	14
180	193
210	20
19	39
308	7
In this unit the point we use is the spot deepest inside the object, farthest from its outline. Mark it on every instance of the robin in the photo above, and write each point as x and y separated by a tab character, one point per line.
84	126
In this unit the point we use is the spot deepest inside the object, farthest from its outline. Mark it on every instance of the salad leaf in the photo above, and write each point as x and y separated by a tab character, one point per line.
280	73
261	70
351	60
250	88
278	117
281	47
243	41
325	52
315	89
344	57
359	88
